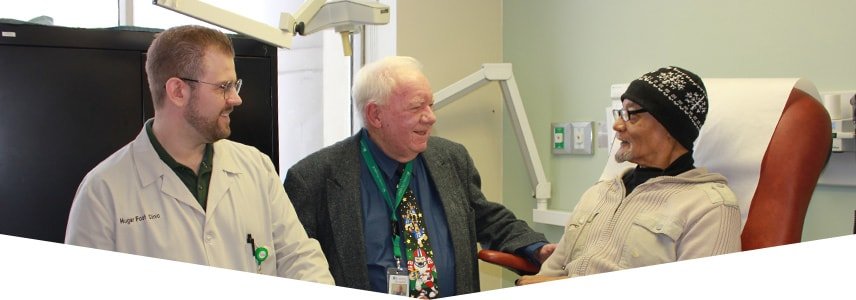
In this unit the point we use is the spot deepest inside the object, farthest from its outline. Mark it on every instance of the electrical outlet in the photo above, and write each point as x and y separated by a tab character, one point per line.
583	138
561	136
573	138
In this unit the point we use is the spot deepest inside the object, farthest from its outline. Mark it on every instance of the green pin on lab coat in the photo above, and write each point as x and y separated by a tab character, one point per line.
261	254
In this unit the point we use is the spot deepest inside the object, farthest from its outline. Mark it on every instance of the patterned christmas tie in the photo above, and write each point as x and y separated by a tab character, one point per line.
420	263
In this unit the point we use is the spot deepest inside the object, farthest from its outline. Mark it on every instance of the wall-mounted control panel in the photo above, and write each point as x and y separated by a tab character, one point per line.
572	138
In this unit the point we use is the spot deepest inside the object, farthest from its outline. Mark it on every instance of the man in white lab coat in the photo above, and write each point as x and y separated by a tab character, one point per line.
180	190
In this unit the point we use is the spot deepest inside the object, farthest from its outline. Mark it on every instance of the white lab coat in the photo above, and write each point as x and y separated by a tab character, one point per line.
133	202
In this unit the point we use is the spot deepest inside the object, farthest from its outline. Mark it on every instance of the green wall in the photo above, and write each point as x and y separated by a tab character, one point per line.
567	53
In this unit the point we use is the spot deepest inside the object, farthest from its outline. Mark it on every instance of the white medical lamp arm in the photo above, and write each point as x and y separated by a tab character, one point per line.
229	20
503	74
345	16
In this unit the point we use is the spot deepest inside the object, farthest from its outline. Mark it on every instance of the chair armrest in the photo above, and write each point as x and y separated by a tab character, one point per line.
517	264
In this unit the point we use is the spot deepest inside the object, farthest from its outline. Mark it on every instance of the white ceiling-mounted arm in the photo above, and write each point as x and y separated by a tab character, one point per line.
502	73
229	20
306	11
345	16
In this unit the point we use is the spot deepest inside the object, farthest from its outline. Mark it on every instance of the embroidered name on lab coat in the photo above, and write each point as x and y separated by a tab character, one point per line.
140	218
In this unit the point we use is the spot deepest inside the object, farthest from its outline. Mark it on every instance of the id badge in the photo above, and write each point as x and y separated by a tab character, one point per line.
398	282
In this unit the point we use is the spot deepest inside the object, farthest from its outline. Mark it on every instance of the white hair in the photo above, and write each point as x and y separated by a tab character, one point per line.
376	80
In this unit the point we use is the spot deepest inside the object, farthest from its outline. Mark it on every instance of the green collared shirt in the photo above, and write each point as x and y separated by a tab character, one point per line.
198	185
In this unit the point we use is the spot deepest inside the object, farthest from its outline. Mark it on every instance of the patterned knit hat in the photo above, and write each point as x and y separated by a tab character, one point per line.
676	98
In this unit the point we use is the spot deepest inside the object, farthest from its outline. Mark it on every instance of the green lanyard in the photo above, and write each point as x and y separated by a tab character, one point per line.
403	183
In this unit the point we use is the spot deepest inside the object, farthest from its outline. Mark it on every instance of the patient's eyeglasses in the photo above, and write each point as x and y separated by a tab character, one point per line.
226	87
625	114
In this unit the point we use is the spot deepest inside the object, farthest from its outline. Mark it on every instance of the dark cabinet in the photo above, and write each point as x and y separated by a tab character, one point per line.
70	97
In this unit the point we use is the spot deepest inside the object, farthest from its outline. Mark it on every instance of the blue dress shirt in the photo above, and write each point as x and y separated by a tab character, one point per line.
378	230
377	224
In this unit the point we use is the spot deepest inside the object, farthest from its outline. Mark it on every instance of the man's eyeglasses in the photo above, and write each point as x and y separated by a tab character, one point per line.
625	114
226	87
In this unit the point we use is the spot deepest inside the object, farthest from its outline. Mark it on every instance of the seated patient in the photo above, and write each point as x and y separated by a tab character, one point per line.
663	210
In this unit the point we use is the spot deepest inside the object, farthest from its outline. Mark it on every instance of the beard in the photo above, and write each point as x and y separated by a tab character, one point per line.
623	154
208	128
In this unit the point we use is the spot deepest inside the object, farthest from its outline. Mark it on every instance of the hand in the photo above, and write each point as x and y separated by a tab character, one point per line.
536	279
542	254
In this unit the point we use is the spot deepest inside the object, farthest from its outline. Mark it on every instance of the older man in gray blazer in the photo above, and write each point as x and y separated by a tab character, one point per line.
396	209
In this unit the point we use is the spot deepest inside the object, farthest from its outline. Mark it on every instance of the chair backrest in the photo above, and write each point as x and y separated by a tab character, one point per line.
771	139
796	156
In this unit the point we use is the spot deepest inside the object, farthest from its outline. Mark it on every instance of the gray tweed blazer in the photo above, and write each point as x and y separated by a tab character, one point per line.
325	190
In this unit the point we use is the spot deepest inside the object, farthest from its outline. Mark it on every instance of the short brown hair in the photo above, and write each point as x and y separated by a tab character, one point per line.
178	52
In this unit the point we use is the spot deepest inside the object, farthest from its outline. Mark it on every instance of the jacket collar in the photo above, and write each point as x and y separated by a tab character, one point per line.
150	168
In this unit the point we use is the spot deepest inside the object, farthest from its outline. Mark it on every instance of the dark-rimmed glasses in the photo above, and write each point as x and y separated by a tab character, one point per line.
625	114
226	87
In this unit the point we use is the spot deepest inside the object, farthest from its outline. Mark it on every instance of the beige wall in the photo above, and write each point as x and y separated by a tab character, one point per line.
452	39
